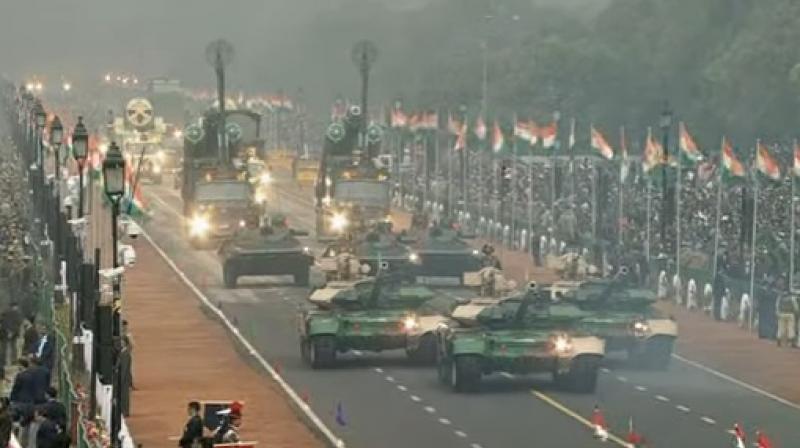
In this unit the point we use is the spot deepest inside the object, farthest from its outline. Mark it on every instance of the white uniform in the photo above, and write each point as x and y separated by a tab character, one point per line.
677	289
662	285
542	246
745	304
725	307
708	297
691	295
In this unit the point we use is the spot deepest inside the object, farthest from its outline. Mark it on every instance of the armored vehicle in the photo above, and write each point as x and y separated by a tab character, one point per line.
519	334
443	253
348	181
625	317
372	314
378	249
271	250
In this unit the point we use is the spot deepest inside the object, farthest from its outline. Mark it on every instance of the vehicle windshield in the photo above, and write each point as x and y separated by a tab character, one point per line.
362	192
222	191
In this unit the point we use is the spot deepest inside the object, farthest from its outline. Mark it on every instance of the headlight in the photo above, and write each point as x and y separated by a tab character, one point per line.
160	155
260	198
410	323
640	328
103	148
265	178
339	222
306	249
476	252
177	133
199	226
413	257
156	169
242	223
562	344
326	201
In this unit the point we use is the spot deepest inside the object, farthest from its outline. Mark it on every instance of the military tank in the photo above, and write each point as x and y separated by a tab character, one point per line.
443	255
519	334
374	314
624	316
271	250
376	249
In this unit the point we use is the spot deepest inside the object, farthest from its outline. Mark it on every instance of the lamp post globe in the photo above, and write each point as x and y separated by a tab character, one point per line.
39	115
114	173
80	142
80	149
56	132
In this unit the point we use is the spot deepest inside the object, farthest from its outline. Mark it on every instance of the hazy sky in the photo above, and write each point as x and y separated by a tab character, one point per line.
280	44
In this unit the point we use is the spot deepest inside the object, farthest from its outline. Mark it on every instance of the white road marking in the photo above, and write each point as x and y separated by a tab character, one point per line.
430	409
444	421
622	379
709	420
683	408
506	374
641	388
288	390
415	398
390	379
475	445
401	387
605	370
378	370
662	398
461	434
738	382
358	353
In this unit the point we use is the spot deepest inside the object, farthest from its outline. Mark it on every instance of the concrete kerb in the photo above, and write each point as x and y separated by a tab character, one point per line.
303	410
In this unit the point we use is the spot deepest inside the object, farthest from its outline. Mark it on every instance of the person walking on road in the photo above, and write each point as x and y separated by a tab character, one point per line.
786	309
745	307
193	430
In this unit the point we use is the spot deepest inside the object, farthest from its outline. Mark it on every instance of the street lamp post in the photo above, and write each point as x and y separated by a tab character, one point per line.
114	184
80	149
56	140
40	120
666	197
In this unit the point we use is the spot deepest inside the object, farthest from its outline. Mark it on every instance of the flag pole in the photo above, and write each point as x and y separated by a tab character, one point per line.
753	241
792	220
513	181
647	227
450	172
620	187
718	219
531	187
679	182
594	200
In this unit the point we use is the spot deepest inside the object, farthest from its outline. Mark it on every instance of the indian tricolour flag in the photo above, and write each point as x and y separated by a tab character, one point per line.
95	158
689	150
461	138
731	166
548	134
653	153
480	128
624	163
522	130
796	166
765	164
601	144
133	203
498	140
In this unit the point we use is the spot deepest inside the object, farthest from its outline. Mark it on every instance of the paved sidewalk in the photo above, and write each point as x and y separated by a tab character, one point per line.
737	352
181	355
